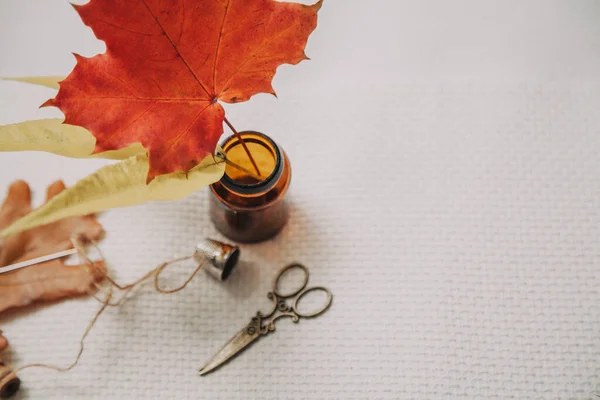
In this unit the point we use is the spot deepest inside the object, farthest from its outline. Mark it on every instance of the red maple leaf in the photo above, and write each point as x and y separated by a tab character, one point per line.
167	65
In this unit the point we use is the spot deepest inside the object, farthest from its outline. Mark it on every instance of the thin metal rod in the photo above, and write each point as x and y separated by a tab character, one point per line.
38	260
237	135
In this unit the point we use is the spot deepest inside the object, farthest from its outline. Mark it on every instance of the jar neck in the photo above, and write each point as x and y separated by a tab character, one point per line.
240	196
259	188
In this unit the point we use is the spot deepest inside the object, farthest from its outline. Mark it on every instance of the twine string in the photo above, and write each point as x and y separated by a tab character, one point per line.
79	243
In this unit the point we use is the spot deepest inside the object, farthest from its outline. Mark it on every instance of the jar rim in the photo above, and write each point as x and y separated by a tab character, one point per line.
259	187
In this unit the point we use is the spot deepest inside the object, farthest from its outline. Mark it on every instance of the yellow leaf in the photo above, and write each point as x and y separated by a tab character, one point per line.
48	81
120	185
52	136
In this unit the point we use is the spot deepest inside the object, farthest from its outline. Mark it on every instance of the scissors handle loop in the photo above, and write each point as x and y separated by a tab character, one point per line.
317	312
282	273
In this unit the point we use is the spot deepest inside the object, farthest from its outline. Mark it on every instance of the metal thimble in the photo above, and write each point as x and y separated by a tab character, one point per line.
222	258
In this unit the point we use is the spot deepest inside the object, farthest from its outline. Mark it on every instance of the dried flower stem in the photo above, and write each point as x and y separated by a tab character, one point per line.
237	135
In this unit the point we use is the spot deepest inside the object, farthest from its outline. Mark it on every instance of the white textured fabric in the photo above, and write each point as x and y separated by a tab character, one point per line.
446	164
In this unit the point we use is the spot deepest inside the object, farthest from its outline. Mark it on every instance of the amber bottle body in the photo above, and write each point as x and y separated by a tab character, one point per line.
247	209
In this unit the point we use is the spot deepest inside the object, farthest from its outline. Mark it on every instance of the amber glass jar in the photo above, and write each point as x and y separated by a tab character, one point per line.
246	206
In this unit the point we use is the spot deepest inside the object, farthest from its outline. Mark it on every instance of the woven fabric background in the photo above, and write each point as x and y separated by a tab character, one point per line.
446	188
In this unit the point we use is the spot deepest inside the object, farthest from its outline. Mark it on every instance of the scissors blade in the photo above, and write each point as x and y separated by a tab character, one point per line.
237	343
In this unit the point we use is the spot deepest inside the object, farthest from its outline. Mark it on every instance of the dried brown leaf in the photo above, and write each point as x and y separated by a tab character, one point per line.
3	342
53	279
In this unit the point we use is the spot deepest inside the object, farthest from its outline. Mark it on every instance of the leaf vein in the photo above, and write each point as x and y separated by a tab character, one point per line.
164	99
112	134
175	47
219	46
127	85
127	29
184	132
182	21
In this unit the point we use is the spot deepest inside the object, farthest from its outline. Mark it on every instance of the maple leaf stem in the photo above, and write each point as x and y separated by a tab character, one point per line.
237	135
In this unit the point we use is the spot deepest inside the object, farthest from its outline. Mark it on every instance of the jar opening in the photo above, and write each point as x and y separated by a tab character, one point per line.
240	174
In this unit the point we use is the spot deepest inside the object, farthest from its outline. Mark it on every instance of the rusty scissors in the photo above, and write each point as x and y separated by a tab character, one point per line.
261	325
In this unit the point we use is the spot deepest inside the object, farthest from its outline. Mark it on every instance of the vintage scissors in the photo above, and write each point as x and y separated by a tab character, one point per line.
261	325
